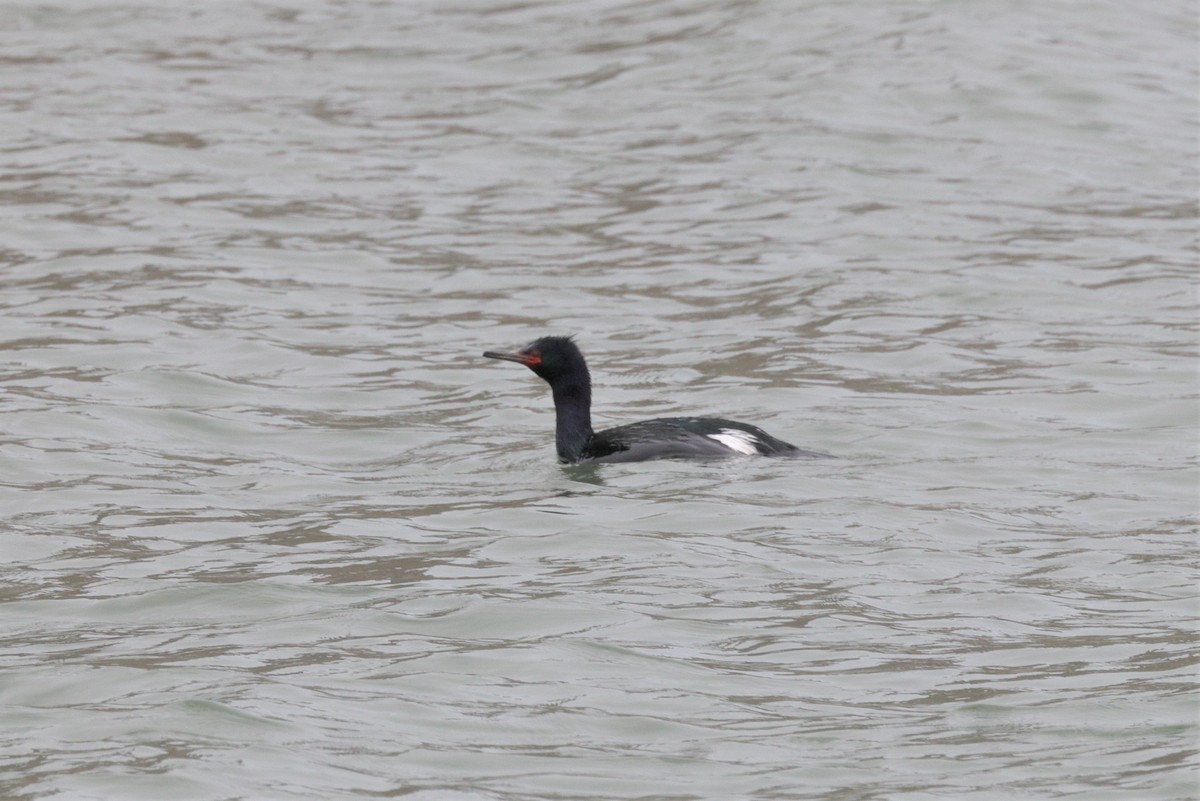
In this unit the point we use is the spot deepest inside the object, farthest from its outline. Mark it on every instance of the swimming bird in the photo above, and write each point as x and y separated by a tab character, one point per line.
558	361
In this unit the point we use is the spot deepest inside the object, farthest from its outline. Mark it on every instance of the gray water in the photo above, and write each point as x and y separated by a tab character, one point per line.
272	529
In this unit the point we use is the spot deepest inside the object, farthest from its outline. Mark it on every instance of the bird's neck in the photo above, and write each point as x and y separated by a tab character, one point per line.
573	419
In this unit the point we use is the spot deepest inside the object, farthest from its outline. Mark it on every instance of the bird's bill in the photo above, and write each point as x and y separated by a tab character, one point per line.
527	359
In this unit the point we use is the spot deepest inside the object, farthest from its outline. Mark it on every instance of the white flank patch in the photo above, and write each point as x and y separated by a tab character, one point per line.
736	440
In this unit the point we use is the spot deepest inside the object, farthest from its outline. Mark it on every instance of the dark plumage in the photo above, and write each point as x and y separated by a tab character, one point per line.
558	361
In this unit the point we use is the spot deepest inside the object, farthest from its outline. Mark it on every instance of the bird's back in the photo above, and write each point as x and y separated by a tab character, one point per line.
686	438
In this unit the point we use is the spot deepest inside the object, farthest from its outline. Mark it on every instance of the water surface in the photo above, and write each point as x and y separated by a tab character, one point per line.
273	529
